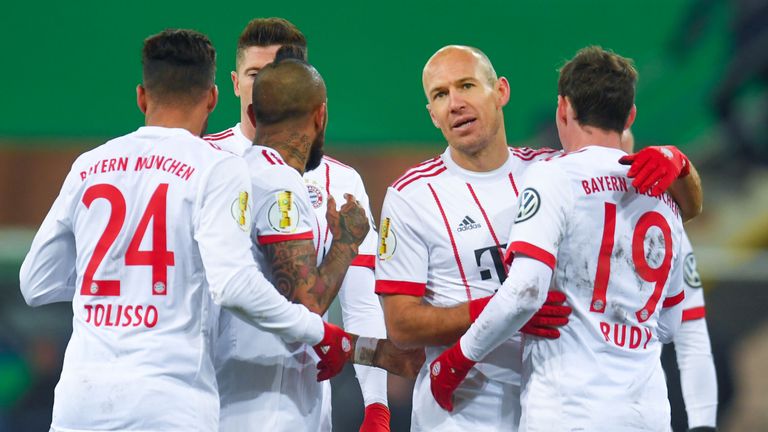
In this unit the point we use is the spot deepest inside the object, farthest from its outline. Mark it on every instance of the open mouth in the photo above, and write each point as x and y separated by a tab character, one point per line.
463	124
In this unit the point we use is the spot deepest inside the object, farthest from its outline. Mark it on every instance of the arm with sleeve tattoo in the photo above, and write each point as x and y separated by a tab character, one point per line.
293	263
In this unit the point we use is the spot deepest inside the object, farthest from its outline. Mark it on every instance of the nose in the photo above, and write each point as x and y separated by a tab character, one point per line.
457	102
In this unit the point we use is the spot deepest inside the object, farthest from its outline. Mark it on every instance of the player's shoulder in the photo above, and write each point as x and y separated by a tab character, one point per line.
220	136
529	154
416	178
269	171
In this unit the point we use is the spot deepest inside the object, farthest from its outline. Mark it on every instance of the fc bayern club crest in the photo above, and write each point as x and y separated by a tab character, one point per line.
315	195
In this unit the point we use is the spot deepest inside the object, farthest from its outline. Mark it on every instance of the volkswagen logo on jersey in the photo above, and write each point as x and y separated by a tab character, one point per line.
690	272
283	215
387	240
241	212
315	195
528	203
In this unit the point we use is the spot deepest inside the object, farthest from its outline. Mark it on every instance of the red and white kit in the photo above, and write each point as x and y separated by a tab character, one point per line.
297	395
693	349
616	255
442	237
147	230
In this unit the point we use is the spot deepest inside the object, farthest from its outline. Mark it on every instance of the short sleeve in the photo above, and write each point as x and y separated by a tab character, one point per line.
402	262
282	211
541	214
693	304
367	251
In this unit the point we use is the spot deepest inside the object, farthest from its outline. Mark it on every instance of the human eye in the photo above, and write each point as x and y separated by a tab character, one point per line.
467	85
438	95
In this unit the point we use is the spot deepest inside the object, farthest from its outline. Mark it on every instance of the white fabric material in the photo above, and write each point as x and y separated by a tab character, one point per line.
263	380
518	299
140	359
694	352
603	373
442	237
293	401
360	307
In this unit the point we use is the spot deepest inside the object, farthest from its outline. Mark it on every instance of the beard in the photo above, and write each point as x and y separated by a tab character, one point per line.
315	152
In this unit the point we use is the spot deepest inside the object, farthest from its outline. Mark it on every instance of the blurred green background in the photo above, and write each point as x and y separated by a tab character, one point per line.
69	72
71	67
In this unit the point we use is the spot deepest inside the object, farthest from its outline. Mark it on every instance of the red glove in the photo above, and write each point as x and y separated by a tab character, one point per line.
446	373
656	168
552	315
334	350
544	323
376	418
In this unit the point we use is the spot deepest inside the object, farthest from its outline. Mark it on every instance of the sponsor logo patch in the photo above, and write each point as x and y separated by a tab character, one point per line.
690	272
283	215
528	205
468	224
387	240
241	211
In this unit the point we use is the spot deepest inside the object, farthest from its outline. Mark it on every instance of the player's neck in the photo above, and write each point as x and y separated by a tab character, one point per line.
246	127
591	136
292	143
192	119
489	158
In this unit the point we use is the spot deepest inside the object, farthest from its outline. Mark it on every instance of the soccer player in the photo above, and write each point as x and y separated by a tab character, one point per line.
445	225
148	232
362	314
692	346
582	229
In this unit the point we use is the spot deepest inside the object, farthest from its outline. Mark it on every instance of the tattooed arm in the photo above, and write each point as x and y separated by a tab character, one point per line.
293	263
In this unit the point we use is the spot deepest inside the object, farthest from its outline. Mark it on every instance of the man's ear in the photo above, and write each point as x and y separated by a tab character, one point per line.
213	98
432	116
141	98
251	117
321	116
561	114
631	117
235	83
503	90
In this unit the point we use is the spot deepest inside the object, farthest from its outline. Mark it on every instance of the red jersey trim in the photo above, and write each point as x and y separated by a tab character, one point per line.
532	251
400	287
220	136
453	242
528	154
368	261
694	313
514	186
433	174
674	300
422	167
330	159
277	238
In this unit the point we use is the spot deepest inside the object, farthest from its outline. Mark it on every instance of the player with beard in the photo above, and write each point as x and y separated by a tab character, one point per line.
261	42
262	378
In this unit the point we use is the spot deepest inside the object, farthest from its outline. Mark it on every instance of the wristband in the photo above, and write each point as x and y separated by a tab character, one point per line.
365	349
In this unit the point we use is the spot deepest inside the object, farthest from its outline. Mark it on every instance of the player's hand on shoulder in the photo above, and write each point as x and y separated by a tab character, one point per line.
552	315
349	224
446	373
334	351
376	418
655	168
402	362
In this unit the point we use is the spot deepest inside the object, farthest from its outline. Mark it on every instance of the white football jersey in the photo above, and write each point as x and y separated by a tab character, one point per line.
442	235
616	255
261	378
693	349
145	225
693	305
360	306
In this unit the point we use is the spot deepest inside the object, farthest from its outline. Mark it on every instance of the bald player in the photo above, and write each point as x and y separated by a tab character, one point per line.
263	380
443	232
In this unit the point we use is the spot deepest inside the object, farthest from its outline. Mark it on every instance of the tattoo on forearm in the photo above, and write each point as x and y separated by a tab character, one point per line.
290	266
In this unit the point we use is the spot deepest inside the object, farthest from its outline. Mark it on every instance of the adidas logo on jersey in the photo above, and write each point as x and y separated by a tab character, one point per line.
467	224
